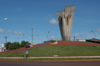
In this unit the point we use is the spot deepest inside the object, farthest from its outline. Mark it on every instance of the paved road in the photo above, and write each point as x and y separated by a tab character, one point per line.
75	63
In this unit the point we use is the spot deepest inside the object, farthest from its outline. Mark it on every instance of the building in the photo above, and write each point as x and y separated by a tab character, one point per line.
2	48
93	40
65	19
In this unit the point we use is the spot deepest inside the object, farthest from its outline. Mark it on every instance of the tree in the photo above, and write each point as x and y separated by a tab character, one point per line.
23	43
14	45
7	44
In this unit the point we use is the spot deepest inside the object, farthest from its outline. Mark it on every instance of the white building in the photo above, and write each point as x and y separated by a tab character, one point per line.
2	48
82	40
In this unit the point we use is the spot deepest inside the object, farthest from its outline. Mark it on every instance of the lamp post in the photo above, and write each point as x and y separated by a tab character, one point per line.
47	34
74	38
5	42
23	36
5	39
32	35
5	36
94	33
18	39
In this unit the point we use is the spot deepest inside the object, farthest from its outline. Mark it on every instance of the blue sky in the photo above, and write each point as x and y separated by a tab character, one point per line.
17	17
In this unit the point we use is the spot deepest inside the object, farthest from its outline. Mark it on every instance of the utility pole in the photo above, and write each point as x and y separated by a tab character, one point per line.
74	38
23	36
18	39
47	35
94	33
5	41
32	35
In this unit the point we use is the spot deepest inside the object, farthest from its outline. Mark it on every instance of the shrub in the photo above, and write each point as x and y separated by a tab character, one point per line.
7	45
23	43
13	46
52	41
27	45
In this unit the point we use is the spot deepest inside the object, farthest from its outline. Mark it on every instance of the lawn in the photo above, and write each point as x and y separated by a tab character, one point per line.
67	50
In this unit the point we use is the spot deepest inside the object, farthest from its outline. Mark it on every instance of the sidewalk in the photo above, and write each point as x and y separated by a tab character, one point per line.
51	57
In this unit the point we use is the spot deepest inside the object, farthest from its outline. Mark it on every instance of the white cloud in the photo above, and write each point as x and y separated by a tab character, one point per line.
15	32
19	9
1	30
98	30
53	37
9	31
78	35
53	21
20	33
49	16
5	18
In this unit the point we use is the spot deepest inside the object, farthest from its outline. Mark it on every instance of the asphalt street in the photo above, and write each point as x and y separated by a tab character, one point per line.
72	63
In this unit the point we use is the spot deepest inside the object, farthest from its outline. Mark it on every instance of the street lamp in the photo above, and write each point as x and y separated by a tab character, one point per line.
32	35
94	33
5	41
18	39
5	36
74	38
47	34
23	36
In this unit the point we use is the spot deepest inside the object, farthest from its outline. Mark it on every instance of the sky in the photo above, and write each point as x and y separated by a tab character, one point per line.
17	17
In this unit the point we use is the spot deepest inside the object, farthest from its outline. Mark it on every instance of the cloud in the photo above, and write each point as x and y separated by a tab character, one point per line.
9	31
49	15
19	9
98	30
78	35
53	21
15	32
53	37
36	35
4	19
1	30
19	33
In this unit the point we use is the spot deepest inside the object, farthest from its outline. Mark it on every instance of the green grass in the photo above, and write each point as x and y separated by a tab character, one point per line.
66	50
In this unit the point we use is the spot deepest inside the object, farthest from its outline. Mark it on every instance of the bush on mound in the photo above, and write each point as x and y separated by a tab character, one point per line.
52	41
28	45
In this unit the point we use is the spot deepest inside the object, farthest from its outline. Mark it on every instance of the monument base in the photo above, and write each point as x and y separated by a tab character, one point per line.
54	42
31	45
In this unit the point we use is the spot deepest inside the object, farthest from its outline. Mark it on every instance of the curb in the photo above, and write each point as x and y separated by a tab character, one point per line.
47	60
51	57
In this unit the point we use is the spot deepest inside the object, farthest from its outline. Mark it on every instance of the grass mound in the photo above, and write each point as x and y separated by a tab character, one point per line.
67	50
